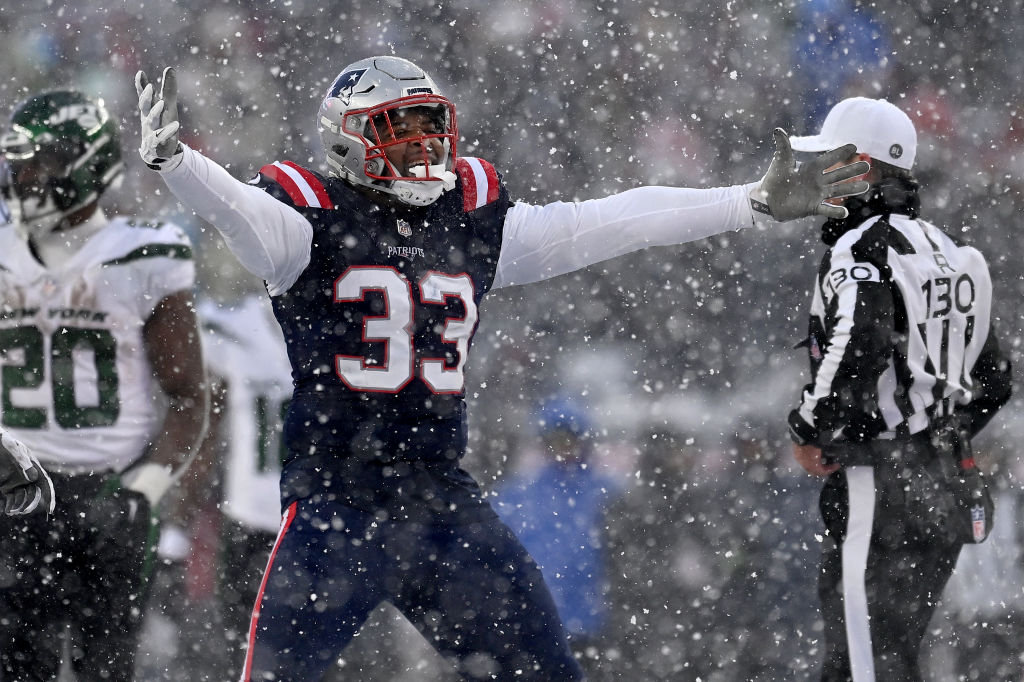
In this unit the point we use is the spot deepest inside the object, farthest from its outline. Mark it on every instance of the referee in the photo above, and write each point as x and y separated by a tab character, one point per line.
901	352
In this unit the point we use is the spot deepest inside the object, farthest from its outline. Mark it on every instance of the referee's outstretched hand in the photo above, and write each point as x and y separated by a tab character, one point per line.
793	190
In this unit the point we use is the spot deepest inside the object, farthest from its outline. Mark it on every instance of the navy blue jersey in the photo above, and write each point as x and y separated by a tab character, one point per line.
378	328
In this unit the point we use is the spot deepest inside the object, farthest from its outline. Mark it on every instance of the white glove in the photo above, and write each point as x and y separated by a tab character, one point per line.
24	485
790	190
160	148
175	543
149	479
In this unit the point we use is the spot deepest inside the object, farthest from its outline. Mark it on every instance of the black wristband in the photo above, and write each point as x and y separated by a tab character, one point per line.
760	207
159	162
800	432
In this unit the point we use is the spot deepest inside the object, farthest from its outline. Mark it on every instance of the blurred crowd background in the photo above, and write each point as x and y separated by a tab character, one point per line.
682	357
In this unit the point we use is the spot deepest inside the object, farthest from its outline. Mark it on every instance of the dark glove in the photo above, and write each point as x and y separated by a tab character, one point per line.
117	514
790	190
25	486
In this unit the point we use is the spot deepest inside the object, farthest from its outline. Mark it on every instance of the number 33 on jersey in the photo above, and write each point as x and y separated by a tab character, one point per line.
442	374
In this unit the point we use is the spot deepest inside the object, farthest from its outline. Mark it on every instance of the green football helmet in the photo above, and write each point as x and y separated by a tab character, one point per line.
63	151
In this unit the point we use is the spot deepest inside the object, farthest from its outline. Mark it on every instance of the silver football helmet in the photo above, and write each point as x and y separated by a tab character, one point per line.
357	123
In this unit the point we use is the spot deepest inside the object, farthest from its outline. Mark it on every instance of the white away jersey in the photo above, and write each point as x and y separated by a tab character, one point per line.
243	345
75	383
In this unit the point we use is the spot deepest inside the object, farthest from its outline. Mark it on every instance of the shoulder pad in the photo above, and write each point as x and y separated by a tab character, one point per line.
140	223
129	239
303	187
480	185
143	231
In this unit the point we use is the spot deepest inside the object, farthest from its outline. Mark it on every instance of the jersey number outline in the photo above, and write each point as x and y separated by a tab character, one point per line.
30	374
941	296
394	329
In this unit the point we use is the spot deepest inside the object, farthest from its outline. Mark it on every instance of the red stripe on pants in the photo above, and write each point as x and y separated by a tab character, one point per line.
286	521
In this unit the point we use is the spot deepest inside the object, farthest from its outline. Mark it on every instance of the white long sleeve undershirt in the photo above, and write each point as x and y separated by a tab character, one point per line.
540	242
273	240
270	239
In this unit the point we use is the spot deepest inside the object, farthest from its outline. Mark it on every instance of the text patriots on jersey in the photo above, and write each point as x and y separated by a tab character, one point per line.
409	252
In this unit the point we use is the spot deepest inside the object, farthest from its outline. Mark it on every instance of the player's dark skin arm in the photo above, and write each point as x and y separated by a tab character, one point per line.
200	486
809	457
171	336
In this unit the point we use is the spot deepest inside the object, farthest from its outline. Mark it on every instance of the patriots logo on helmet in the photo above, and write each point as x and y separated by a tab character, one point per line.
344	84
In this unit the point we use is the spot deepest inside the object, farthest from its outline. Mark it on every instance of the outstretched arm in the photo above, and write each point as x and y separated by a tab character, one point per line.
272	240
540	242
171	337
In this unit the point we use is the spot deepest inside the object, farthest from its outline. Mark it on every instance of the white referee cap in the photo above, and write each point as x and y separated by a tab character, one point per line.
878	128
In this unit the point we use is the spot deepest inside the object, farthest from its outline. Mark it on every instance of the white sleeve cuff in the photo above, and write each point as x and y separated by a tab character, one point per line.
152	480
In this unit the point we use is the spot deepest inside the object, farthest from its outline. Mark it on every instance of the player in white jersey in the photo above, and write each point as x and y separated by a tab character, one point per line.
24	485
101	377
245	355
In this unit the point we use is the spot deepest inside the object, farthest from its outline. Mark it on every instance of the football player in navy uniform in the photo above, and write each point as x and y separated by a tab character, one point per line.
376	271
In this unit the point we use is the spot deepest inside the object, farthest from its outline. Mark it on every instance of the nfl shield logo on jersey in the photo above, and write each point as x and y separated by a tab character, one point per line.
404	228
978	522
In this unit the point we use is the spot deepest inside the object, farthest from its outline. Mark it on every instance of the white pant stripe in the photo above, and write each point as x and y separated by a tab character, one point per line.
860	481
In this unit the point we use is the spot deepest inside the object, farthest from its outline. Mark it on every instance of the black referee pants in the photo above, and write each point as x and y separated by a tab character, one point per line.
881	575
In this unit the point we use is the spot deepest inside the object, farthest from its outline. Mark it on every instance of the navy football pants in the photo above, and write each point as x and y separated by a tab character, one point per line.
470	588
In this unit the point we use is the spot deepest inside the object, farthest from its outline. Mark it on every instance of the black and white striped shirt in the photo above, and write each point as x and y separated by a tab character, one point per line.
900	333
